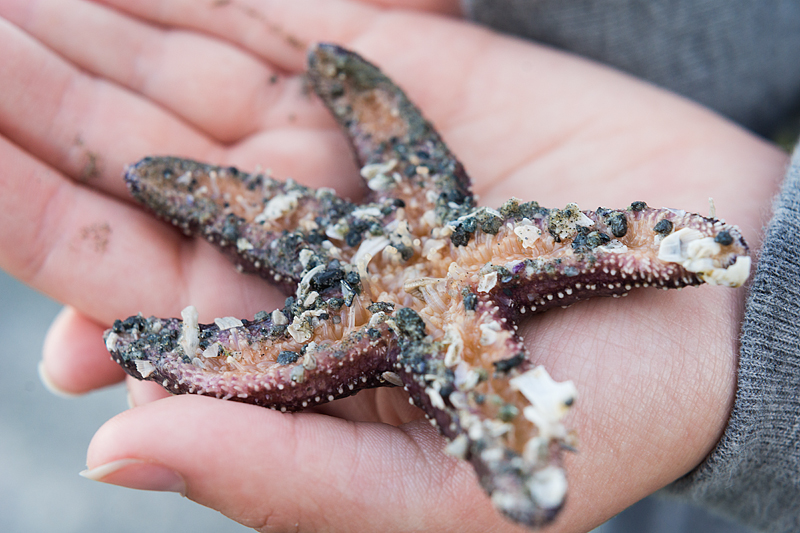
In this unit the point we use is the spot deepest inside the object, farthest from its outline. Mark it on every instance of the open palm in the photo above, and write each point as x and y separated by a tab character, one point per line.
88	87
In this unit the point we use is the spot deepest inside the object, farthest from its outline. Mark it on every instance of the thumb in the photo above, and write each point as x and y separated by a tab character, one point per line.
300	472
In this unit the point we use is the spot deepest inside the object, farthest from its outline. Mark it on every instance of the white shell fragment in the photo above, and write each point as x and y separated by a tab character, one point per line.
487	282
489	332
733	276
227	322
548	487
243	244
190	331
111	341
549	397
377	175
279	206
392	378
300	330
550	402
699	254
278	318
212	351
613	247
368	249
455	346
528	234
145	368
458	447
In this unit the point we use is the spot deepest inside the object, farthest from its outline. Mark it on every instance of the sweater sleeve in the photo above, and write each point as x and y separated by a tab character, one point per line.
737	57
753	475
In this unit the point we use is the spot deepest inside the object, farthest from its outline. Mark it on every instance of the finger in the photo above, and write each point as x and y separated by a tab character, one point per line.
90	129
75	360
308	472
281	33
546	104
278	31
144	392
388	405
85	127
442	7
575	124
106	258
223	91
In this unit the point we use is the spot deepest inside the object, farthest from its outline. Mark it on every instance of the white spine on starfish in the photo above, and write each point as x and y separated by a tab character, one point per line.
699	254
190	331
401	232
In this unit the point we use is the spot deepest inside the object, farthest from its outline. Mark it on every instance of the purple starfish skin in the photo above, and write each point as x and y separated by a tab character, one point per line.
416	286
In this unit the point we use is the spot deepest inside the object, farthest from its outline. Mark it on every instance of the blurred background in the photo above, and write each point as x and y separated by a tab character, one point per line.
43	442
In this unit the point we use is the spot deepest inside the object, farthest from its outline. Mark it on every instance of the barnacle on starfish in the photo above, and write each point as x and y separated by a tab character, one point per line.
416	286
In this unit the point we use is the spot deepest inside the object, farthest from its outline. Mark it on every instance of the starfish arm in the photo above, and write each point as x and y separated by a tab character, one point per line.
400	154
279	230
478	387
560	256
264	362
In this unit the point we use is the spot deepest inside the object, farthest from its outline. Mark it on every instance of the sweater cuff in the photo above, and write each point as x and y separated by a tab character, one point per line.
753	475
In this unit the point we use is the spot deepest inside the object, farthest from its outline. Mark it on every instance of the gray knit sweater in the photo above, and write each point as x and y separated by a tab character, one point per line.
738	57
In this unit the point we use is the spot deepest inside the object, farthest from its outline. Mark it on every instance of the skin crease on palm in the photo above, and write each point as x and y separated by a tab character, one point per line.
109	82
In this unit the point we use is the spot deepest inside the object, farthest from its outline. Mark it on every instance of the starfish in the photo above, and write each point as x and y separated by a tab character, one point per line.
417	286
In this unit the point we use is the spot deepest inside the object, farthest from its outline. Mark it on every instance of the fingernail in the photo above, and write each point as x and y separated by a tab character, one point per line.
137	474
50	385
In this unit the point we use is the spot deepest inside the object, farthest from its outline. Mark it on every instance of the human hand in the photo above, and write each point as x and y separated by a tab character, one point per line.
655	371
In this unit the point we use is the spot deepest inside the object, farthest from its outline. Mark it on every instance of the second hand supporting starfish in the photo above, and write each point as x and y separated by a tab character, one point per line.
416	286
